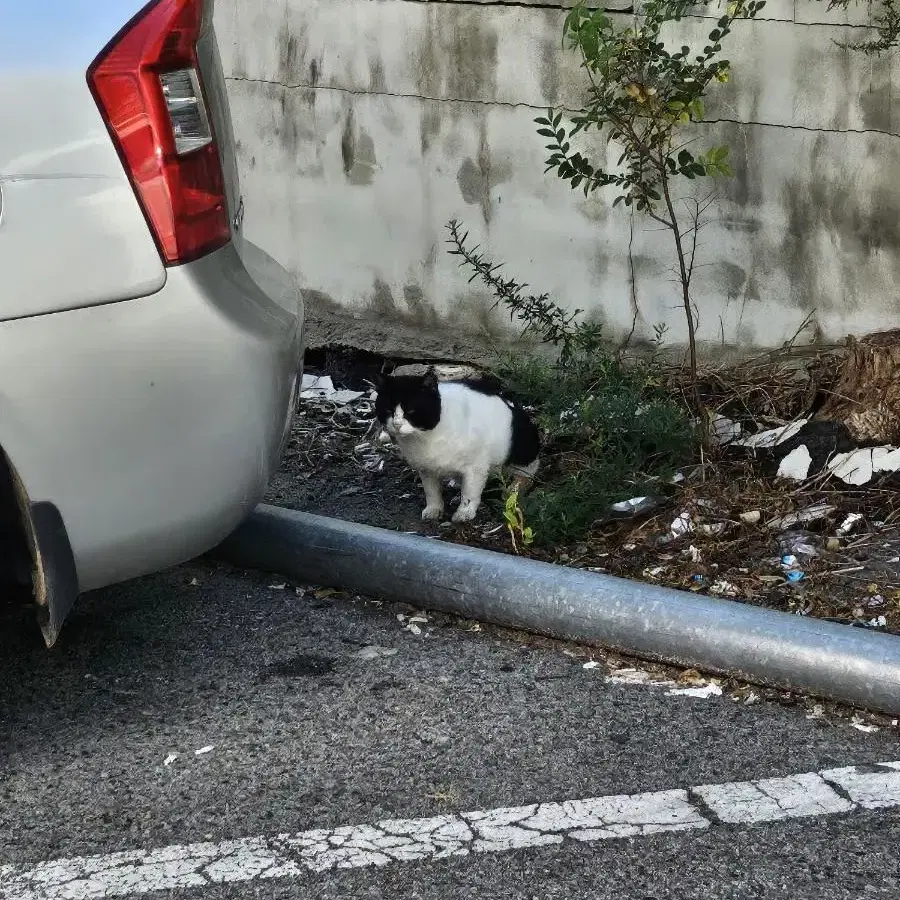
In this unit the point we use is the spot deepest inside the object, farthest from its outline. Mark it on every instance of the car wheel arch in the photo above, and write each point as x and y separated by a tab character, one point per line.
36	552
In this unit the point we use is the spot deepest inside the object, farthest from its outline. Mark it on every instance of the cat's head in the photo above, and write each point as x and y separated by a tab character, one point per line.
407	404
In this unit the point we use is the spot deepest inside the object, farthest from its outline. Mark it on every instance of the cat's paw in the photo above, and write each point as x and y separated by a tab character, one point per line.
432	513
465	513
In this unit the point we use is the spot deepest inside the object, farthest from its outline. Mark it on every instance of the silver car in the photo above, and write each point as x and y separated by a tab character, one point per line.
149	354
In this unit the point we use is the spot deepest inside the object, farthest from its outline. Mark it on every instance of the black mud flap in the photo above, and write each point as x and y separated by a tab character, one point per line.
55	575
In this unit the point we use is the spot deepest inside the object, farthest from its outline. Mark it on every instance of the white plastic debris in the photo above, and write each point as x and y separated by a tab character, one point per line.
772	436
858	466
852	520
412	623
724	430
857	723
802	516
682	525
712	529
796	464
321	387
723	588
635	506
878	622
798	543
633	677
170	759
751	517
204	750
317	383
701	693
590	665
886	458
853	468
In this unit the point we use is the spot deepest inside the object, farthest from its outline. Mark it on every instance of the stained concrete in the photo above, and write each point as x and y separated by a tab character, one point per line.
365	127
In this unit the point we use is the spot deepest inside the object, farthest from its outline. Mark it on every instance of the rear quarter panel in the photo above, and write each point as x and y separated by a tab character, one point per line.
71	230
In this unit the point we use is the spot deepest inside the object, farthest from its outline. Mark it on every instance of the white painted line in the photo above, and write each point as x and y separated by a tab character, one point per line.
871	790
198	865
771	799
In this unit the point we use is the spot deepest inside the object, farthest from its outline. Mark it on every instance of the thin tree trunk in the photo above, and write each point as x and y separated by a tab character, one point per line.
866	395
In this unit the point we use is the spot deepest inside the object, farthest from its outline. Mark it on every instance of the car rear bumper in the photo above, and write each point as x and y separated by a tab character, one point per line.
153	425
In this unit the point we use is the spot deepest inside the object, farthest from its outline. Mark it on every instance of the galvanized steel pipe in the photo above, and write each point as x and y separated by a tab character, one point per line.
853	665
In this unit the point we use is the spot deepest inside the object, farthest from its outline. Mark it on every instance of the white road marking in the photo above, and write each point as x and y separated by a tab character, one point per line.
139	872
871	790
771	799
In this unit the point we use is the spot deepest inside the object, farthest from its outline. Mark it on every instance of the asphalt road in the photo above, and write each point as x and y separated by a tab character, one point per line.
98	742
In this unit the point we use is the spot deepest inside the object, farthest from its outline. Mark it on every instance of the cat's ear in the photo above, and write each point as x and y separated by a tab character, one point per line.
430	381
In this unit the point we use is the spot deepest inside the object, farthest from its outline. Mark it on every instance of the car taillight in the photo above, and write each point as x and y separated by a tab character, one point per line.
147	84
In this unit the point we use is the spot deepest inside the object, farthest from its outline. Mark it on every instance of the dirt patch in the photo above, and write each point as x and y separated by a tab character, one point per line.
726	530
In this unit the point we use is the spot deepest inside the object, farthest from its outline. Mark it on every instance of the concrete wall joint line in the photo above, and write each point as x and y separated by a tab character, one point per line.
625	11
539	108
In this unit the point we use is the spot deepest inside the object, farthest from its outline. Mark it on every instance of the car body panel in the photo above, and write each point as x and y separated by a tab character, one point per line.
157	428
142	408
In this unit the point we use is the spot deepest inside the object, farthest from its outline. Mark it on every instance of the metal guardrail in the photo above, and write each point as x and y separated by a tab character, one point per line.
851	665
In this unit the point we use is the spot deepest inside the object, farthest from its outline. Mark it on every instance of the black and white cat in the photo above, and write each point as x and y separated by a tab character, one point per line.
463	428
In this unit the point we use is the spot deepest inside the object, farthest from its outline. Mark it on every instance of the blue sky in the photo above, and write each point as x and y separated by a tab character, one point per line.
59	33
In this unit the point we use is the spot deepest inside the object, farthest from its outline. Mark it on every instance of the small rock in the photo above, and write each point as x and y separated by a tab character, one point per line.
751	517
373	651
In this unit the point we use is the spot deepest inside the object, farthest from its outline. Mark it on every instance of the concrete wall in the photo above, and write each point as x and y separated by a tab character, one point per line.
365	125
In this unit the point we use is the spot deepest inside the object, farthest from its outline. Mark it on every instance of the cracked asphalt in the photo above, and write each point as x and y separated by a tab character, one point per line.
312	728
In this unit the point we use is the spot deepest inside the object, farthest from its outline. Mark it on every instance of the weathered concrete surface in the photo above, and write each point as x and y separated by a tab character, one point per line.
364	127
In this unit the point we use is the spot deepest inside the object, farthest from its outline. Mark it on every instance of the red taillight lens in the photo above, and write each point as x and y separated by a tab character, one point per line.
148	87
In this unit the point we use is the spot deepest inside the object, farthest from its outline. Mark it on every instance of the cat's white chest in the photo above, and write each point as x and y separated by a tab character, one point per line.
432	453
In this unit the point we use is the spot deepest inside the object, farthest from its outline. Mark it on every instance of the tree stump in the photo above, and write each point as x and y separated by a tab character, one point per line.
866	394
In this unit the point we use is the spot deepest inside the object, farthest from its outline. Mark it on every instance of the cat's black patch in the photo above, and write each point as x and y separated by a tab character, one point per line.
417	395
484	384
526	440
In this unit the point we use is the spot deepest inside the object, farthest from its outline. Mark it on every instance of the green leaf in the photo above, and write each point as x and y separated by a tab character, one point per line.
546	132
684	158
